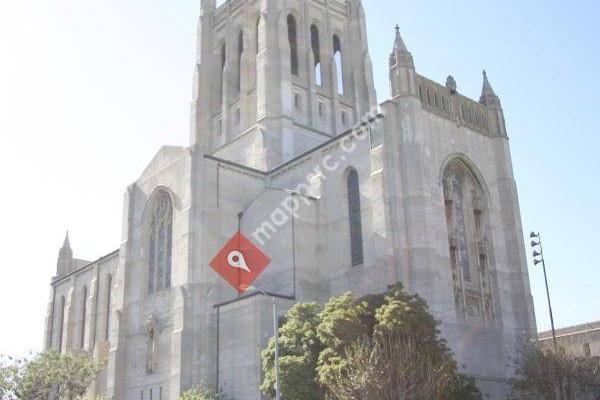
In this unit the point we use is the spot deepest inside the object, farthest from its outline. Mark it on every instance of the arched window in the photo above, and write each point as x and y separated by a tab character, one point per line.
466	219
240	53
61	323
108	308
316	48
84	294
355	218
293	41
337	56
161	232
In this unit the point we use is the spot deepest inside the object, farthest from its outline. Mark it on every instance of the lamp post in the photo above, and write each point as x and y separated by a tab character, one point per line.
538	257
275	336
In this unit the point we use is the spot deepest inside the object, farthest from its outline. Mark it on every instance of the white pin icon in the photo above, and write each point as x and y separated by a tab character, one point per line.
236	260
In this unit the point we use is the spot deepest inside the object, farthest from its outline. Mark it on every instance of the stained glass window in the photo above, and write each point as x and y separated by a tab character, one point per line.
161	233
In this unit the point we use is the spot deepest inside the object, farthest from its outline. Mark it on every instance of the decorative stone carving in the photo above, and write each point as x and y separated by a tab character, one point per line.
451	84
151	344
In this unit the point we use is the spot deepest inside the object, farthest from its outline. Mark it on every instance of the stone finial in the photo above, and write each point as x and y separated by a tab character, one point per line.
488	96
451	84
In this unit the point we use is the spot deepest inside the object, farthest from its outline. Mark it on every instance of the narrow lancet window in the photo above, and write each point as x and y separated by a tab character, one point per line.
222	80
240	66
61	323
108	308
354	214
293	41
337	56
84	295
316	49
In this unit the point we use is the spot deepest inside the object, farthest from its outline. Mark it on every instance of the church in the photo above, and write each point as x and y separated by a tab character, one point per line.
290	152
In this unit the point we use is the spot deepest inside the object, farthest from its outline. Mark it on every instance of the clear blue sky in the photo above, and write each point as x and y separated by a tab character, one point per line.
90	90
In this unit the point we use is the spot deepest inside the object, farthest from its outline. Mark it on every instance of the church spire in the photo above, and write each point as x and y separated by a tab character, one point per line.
67	243
488	96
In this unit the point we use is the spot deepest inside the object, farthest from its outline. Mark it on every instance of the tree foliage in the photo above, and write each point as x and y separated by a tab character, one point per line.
361	348
47	375
546	374
202	393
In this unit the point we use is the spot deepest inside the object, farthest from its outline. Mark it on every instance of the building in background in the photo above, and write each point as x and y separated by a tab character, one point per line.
579	340
418	189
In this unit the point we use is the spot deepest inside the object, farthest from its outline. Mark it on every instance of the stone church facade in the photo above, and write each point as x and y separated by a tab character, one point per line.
289	146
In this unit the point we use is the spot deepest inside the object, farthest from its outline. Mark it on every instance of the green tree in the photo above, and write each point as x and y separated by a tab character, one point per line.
63	376
299	349
348	334
546	374
202	393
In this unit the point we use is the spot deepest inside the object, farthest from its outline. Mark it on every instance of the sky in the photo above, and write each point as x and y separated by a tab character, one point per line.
89	91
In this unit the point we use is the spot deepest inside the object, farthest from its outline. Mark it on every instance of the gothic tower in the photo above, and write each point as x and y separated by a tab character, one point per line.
273	80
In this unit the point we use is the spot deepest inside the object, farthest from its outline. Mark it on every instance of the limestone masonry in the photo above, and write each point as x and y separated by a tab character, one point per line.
289	145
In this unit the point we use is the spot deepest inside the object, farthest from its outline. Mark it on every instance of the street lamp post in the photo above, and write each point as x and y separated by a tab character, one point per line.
276	338
538	244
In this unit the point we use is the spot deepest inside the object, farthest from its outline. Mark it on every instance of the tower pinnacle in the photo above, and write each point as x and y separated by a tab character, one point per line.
488	96
65	251
399	46
65	258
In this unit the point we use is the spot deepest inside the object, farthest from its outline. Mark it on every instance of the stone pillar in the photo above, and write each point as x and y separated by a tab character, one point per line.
268	62
201	121
48	332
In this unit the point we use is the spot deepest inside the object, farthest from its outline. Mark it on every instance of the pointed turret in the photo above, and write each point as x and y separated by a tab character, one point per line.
488	96
492	101
399	45
65	258
402	68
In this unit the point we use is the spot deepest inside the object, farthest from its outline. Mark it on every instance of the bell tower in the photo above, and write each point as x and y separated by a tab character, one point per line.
274	79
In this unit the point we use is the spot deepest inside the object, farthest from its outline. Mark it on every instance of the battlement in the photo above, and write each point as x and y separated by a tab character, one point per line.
453	106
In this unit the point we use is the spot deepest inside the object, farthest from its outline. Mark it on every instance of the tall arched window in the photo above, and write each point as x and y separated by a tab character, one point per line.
108	308
84	295
61	323
161	232
337	56
316	48
293	41
355	218
240	53
466	219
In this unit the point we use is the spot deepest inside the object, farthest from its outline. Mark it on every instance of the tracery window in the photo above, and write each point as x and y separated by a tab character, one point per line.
161	233
466	219
354	213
